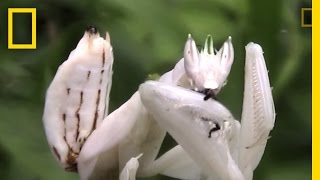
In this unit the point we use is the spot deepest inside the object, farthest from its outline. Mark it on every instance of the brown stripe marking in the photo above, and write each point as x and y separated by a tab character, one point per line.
56	152
78	114
64	117
68	91
96	113
103	58
72	156
78	125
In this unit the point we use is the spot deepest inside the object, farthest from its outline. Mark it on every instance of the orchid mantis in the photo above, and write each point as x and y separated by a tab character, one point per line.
124	144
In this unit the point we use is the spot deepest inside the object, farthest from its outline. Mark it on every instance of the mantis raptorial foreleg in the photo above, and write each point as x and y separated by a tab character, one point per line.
258	113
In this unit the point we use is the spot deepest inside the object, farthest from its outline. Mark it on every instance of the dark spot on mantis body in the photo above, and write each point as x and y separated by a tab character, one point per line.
64	117
88	75
68	91
216	128
209	93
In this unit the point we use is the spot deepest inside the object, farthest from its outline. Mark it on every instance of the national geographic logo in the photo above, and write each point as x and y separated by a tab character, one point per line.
17	11
306	17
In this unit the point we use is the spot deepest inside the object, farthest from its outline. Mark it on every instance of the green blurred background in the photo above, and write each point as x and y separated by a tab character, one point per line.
148	37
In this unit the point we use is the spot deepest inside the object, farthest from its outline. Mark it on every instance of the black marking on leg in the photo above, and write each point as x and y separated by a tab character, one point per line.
214	129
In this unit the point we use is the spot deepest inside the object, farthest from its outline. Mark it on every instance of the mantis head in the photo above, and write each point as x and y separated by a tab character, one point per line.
208	69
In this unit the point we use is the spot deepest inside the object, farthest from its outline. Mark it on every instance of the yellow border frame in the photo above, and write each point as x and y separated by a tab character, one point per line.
302	17
33	44
315	90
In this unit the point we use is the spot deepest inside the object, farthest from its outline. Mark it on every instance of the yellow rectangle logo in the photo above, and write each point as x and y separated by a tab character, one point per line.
33	44
304	11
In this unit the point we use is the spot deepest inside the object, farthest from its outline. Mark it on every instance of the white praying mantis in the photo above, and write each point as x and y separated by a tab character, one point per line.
84	138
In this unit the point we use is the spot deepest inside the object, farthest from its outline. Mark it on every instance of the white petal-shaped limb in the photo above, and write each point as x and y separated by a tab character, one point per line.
200	127
77	99
99	155
258	113
208	70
